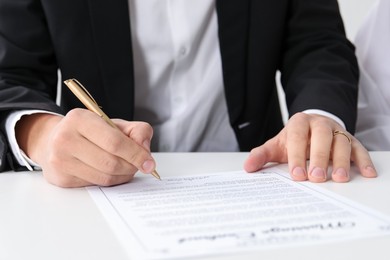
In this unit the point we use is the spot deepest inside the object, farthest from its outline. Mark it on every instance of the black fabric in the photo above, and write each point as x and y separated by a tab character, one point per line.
3	151
90	40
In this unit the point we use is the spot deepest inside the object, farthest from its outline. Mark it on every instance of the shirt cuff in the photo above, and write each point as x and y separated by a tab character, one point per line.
10	124
327	114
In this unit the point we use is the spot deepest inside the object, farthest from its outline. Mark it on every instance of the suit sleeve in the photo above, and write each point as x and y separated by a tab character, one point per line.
319	66
28	67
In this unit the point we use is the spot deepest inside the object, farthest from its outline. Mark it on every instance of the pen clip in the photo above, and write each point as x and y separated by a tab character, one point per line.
85	91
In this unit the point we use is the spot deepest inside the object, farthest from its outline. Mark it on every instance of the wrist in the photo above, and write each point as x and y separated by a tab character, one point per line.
32	132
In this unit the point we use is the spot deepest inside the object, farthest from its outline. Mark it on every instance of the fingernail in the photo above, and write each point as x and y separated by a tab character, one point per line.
318	173
341	172
372	171
148	166
299	172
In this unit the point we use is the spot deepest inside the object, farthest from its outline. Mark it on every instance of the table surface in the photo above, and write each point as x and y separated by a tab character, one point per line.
42	221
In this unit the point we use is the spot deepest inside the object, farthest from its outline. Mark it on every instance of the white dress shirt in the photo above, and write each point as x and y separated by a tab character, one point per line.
373	51
178	78
178	75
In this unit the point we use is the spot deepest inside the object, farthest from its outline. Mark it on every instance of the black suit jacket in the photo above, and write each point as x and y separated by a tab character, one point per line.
90	40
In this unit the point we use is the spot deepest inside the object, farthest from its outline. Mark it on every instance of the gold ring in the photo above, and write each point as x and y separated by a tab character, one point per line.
338	132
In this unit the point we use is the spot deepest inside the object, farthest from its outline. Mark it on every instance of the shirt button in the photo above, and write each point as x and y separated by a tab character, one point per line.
178	100
183	51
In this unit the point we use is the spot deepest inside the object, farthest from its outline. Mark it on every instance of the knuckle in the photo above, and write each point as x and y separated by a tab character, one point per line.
321	125
107	180
321	155
300	117
281	145
137	158
74	113
145	125
322	132
110	165
358	146
297	136
76	117
113	144
145	128
148	128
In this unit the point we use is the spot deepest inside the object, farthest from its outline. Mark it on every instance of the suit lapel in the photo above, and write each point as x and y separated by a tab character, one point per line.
111	31
233	23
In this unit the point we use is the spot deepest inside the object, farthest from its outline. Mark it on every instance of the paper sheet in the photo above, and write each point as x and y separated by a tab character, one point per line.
219	213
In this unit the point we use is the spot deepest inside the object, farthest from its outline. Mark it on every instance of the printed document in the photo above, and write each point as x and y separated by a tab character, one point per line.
229	212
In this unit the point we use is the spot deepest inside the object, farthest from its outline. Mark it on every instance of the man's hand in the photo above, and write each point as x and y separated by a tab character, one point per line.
81	149
309	136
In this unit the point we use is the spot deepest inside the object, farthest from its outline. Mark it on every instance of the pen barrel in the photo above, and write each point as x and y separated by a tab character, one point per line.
107	119
82	94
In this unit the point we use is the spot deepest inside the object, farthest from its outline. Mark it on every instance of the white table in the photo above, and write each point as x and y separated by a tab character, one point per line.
41	221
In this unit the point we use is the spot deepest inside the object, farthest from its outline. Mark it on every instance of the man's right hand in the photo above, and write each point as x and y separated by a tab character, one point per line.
81	149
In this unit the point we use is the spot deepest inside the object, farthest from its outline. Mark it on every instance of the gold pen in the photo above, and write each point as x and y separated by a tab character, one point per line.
83	95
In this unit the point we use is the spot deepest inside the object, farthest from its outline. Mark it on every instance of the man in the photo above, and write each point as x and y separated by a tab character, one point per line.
200	73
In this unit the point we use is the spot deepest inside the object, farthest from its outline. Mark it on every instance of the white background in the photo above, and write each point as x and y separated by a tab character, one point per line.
353	12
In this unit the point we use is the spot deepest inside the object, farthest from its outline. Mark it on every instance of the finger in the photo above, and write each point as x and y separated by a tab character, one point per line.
125	148
101	160
89	177
65	170
341	156
271	151
95	177
140	132
298	134
112	140
321	143
64	181
362	159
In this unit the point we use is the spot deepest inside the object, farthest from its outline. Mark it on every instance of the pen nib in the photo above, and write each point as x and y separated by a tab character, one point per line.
156	175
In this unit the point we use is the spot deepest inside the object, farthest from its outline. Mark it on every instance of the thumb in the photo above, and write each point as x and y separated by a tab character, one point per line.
139	132
271	151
